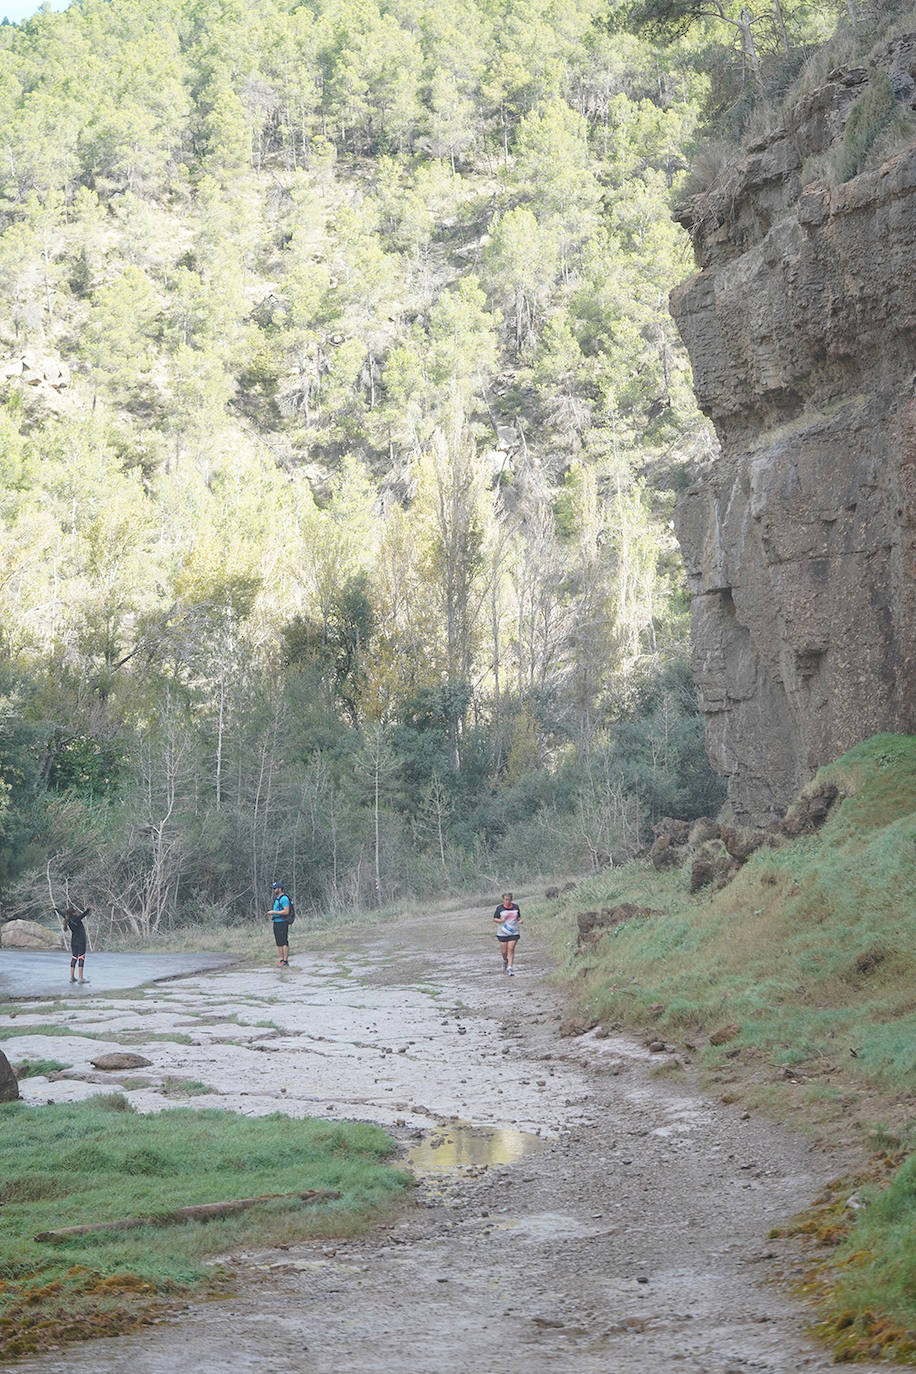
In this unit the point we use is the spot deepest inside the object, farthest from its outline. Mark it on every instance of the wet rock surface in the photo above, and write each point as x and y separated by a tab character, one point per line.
34	973
576	1209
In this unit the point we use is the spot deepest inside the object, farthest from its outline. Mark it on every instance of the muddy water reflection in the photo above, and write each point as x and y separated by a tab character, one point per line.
461	1145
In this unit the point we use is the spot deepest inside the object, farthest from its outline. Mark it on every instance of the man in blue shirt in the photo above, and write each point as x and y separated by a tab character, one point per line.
279	914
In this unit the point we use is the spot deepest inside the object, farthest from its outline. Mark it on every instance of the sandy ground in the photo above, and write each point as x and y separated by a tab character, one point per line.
580	1207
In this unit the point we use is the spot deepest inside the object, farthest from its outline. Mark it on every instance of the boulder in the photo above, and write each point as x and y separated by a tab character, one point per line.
9	1086
119	1059
810	810
594	924
664	854
576	1025
671	837
28	935
677	832
724	1034
742	841
701	830
712	866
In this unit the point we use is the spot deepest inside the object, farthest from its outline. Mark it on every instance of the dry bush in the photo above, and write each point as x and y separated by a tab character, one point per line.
710	167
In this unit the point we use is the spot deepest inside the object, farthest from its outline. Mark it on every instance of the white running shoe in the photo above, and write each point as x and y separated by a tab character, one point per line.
511	972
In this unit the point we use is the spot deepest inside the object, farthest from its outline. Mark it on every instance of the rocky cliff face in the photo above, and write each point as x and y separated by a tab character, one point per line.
800	540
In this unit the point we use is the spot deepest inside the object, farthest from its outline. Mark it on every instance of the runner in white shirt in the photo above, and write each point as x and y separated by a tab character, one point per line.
508	918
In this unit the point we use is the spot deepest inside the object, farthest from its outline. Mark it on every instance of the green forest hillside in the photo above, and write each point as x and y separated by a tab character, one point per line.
341	420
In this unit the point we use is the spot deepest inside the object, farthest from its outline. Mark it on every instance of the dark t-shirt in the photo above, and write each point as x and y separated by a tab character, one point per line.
77	930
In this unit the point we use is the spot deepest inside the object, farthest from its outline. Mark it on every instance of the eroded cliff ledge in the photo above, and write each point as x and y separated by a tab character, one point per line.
800	540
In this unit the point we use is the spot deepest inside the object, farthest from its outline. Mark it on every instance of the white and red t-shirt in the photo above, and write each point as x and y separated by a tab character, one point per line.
508	916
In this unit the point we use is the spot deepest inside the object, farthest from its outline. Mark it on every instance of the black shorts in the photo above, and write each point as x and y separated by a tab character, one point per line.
507	939
281	933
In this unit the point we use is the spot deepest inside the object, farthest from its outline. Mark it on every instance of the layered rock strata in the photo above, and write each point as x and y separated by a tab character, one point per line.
800	539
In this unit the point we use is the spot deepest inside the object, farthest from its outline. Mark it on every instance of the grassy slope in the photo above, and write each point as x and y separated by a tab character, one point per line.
97	1161
809	955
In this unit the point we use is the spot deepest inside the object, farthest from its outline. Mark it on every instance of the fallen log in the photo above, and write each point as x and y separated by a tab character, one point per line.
202	1212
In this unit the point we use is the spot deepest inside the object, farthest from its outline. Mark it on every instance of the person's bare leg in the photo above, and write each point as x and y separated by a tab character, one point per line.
510	956
504	951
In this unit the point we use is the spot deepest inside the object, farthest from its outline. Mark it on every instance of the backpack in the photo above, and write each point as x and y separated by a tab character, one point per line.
291	914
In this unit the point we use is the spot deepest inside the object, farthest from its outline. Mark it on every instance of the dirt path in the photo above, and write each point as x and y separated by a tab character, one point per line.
631	1236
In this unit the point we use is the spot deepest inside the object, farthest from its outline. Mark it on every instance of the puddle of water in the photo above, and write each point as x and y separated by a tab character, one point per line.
547	1226
461	1145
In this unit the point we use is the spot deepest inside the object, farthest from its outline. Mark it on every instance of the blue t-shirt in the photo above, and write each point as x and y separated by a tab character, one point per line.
281	908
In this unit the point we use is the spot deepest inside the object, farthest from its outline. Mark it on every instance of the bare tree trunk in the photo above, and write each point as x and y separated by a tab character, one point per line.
749	46
202	1211
781	18
219	744
375	815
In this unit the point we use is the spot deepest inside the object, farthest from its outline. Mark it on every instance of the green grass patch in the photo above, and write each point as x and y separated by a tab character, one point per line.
77	1164
862	1259
19	1032
39	1068
872	1307
184	1087
869	116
